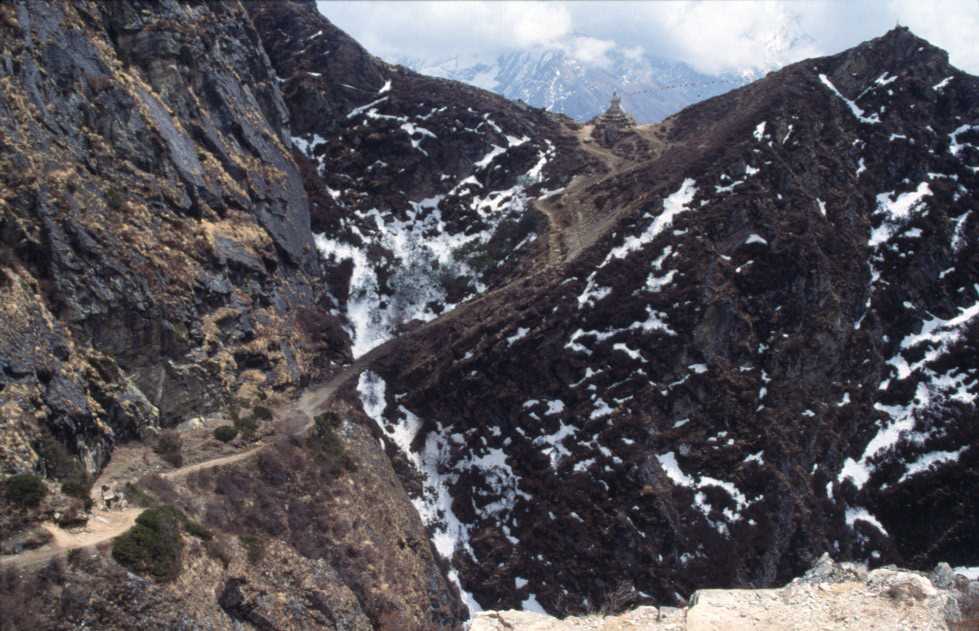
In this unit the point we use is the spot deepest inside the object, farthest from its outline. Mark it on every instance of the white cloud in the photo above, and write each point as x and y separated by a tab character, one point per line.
443	29
590	50
713	37
634	53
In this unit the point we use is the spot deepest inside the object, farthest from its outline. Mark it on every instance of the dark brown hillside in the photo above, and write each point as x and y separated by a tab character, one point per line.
421	187
765	379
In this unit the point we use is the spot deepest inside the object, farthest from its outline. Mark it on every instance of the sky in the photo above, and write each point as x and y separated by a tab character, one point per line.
714	37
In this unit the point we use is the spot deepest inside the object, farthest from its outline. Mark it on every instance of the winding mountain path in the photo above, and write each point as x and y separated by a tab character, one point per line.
572	219
104	525
568	217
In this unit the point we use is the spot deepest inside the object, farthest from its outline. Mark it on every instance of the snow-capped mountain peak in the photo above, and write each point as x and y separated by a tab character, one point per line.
577	78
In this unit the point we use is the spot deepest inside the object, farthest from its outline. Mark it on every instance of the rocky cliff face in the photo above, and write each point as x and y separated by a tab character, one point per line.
837	597
772	356
158	261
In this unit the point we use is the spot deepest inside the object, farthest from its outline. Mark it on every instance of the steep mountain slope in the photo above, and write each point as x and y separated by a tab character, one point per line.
158	265
419	185
157	256
770	356
651	88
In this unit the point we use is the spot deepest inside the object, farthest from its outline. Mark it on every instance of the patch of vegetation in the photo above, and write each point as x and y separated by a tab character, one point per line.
79	489
170	446
254	547
510	233
157	492
247	426
138	496
61	465
25	489
325	441
477	256
226	433
153	546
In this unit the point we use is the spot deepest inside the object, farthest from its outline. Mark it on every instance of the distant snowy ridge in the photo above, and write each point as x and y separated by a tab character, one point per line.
652	88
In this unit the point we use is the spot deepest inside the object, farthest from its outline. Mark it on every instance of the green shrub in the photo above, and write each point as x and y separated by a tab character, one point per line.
247	426
226	433
262	413
153	546
25	490
76	556
169	447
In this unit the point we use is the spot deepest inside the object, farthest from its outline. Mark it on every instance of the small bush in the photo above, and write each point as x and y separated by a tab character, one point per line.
201	480
247	426
160	488
254	547
9	579
25	490
58	461
226	433
262	413
153	546
274	466
169	447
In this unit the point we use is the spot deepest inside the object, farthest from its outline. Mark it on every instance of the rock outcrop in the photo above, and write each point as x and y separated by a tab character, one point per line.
157	259
830	597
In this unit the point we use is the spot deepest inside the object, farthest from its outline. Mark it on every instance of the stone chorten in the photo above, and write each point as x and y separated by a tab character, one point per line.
614	124
615	116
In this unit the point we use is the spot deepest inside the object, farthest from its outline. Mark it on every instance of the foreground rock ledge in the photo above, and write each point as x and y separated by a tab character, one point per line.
830	597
